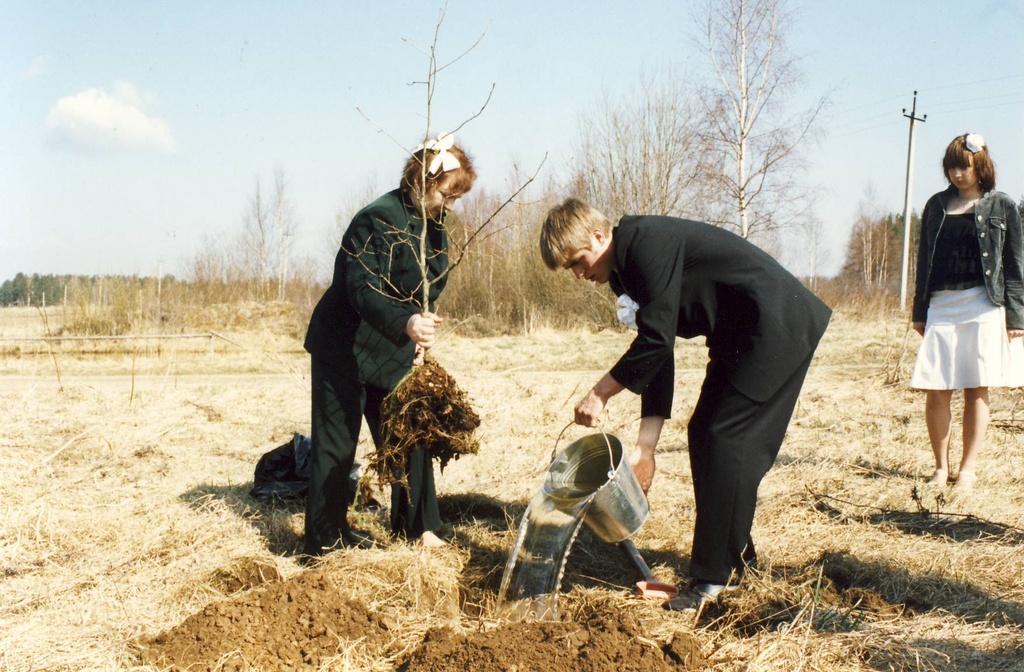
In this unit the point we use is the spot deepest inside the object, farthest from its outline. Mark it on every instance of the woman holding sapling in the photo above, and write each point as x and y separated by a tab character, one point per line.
364	335
968	302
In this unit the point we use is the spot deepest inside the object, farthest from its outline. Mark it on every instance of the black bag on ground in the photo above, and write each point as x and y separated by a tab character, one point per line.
283	473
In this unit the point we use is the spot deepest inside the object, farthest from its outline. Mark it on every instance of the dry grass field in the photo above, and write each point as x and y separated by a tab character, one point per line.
128	540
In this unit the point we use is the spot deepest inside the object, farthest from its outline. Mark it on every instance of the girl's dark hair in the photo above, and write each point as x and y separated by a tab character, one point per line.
958	156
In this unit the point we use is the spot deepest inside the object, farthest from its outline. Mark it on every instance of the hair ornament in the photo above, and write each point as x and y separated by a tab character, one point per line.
443	159
974	142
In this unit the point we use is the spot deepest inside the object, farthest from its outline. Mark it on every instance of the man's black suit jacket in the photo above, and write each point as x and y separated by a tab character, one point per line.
693	279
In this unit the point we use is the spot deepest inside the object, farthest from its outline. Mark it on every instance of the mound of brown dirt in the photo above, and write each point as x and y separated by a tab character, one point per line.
304	622
604	642
293	625
244	574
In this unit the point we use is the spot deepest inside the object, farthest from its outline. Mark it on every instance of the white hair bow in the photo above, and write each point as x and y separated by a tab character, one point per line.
443	159
974	142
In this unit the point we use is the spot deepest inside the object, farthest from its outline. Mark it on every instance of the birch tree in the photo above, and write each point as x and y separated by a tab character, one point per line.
256	240
758	141
286	226
814	253
873	252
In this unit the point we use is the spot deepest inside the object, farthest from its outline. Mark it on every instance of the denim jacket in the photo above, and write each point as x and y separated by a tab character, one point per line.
999	236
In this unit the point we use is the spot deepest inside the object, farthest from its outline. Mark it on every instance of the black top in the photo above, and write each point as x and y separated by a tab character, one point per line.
957	263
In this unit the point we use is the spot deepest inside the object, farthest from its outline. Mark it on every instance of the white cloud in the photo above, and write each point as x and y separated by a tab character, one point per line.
39	67
96	119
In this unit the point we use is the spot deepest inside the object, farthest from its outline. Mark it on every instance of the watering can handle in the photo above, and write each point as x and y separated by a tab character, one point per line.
611	455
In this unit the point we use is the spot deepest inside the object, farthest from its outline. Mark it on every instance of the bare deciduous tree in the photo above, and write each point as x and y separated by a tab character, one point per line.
758	144
641	153
353	202
268	232
256	240
874	250
286	226
813	253
456	255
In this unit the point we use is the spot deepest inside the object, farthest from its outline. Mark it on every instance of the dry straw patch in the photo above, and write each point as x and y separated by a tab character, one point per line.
125	513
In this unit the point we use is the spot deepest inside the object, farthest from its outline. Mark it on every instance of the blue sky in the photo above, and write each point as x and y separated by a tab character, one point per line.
208	97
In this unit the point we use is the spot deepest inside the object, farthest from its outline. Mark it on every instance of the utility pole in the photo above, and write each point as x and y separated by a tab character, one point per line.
906	202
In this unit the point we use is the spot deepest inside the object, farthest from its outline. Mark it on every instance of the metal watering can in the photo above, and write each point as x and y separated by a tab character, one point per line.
594	465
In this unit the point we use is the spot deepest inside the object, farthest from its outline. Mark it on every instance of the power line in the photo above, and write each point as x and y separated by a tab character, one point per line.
884	115
865	130
974	82
882	101
983	107
974	99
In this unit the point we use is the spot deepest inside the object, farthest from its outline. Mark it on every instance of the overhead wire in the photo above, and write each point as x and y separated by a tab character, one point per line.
1016	97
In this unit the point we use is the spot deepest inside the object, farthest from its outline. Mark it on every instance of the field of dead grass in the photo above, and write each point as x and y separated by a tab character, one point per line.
124	510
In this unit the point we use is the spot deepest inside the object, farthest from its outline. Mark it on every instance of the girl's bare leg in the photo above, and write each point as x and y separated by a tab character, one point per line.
976	416
939	420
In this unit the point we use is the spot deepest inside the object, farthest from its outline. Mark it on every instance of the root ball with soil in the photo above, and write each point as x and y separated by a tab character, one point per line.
428	410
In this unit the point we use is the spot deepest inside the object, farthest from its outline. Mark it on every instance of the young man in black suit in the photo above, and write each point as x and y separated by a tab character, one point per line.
688	279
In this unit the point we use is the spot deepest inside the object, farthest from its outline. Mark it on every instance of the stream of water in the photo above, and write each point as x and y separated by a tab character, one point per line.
533	573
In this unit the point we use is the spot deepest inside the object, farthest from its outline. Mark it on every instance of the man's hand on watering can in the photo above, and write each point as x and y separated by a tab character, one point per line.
643	465
588	411
641	458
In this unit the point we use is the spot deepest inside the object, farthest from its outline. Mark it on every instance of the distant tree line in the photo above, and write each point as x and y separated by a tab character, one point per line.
49	290
501	288
126	304
874	252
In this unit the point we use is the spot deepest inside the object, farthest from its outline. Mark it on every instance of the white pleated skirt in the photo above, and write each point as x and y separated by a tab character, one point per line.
965	345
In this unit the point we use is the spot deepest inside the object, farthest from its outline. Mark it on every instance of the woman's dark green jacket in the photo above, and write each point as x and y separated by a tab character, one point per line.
359	323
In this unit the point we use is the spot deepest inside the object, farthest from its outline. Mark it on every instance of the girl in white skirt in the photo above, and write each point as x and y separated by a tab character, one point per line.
968	302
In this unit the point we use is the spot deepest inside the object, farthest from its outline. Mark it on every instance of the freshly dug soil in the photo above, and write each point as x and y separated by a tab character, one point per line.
292	625
301	623
604	642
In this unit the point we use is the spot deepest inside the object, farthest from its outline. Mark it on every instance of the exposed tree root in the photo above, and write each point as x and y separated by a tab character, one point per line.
427	410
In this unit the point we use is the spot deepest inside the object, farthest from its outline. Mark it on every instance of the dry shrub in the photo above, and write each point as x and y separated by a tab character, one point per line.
426	410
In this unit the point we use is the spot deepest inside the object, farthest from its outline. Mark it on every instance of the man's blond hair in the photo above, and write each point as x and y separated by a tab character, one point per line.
567	229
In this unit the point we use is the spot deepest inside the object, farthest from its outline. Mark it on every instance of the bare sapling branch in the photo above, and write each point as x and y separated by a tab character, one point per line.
463	248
